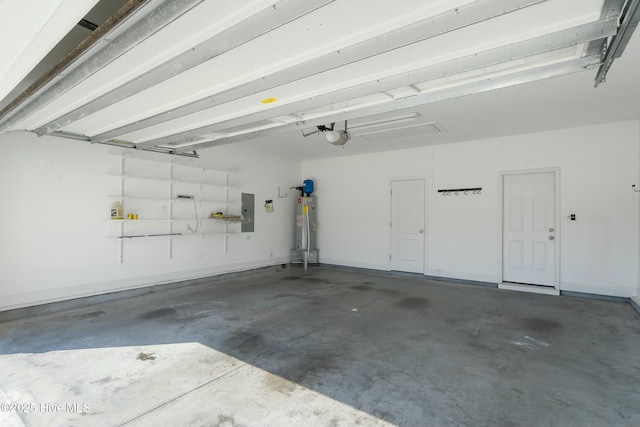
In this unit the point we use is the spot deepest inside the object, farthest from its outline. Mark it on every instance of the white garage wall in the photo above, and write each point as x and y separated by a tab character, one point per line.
598	165
353	204
58	243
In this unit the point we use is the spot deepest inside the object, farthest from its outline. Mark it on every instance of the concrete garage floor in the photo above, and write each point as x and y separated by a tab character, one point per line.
329	347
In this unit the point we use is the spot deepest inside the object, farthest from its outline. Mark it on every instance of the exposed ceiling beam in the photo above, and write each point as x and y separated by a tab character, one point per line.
27	36
261	23
566	38
70	59
545	72
149	19
614	50
451	20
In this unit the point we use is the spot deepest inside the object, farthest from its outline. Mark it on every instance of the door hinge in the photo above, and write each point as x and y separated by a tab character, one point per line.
389	256
390	224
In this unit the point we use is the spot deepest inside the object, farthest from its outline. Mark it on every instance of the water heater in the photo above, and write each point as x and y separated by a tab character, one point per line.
304	246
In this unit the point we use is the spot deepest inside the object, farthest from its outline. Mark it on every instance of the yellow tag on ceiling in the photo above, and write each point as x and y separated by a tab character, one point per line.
268	100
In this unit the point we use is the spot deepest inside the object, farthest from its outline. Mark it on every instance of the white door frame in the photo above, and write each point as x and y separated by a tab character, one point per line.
556	279
425	178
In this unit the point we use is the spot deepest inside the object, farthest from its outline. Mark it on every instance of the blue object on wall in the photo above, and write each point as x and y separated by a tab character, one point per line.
307	186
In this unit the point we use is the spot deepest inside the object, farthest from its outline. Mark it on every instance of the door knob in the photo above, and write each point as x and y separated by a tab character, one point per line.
420	231
551	230
551	237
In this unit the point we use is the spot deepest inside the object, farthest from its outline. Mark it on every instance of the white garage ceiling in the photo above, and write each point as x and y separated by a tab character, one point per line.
184	75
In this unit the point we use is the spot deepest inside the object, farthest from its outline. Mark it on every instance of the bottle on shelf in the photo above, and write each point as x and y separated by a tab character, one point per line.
116	210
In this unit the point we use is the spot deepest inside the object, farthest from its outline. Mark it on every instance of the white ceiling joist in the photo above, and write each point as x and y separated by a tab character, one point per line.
276	51
480	60
549	71
630	20
147	21
254	26
182	75
28	33
430	27
63	98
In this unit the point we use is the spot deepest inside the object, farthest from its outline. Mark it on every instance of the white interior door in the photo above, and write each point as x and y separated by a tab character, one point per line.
407	225
529	237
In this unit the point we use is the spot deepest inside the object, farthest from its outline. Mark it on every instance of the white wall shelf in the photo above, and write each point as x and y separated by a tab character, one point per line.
203	169
173	220
145	220
161	199
164	236
174	180
222	202
130	176
208	234
166	199
179	163
239	220
151	188
167	220
209	184
144	236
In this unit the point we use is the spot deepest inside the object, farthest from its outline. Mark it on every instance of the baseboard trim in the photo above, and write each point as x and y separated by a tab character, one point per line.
635	303
588	295
79	302
412	275
82	290
363	266
57	306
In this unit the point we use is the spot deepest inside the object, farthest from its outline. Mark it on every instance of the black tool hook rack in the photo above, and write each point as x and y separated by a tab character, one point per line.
460	191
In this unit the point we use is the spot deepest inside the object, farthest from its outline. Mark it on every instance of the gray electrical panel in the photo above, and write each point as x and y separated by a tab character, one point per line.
248	212
305	232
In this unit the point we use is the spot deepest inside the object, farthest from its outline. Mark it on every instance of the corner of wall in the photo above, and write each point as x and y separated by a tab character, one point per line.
637	299
635	303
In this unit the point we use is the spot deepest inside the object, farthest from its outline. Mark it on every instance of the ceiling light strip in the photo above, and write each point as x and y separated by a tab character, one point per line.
128	34
384	121
549	71
538	45
255	26
452	20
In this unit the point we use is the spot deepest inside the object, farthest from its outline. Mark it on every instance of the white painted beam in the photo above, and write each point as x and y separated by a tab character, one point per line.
254	26
545	72
451	20
29	30
548	43
147	21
